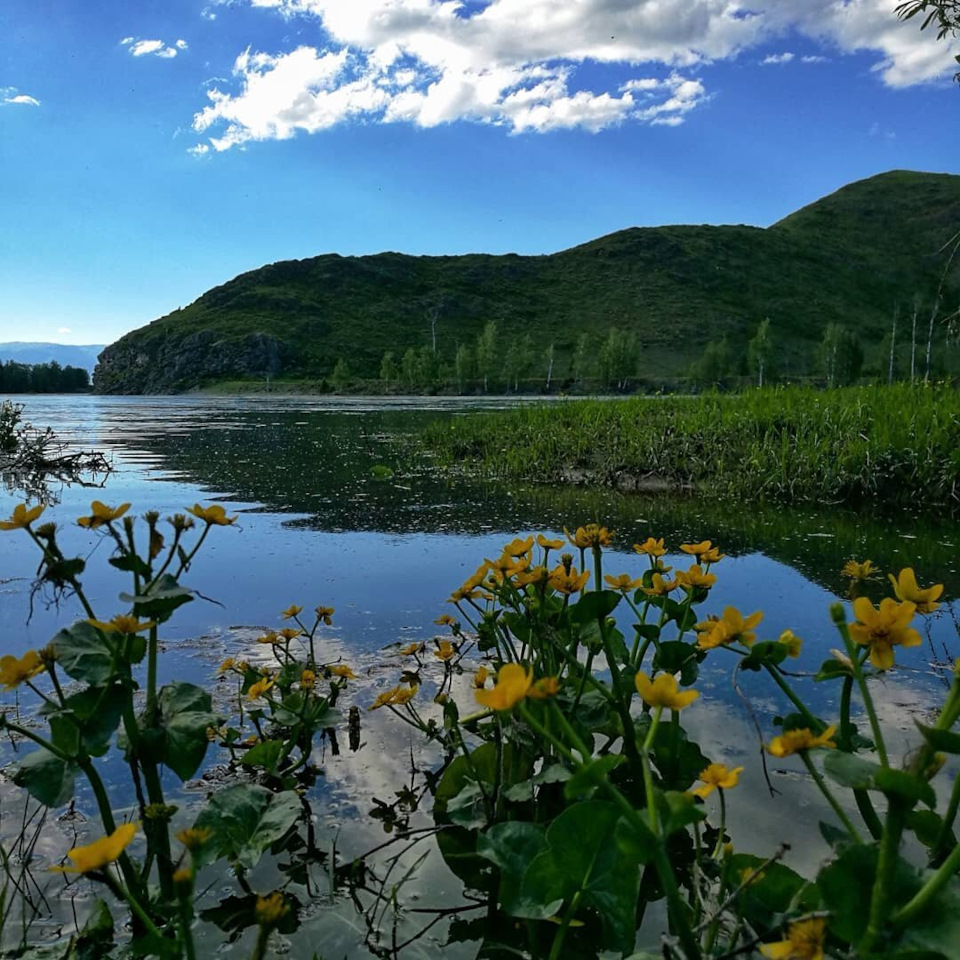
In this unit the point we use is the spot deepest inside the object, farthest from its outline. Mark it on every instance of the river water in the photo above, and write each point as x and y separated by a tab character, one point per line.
337	508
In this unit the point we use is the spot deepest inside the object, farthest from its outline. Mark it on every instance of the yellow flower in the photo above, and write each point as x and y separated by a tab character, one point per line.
123	623
325	614
663	691
14	671
102	514
445	621
22	517
804	942
623	583
543	688
193	838
291	612
518	547
270	910
695	577
795	741
479	575
905	587
513	684
446	652
697	549
715	777
713	555
651	547
394	697
505	567
568	583
882	630
730	627
547	543
592	535
480	677
212	516
659	587
538	576
290	633
411	649
227	664
308	680
258	689
183	875
342	670
792	642
859	571
269	637
97	855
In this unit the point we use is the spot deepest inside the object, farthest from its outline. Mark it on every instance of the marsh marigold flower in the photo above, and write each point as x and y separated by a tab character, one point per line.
101	514
270	910
792	642
547	544
804	942
650	547
796	741
623	583
568	583
713	555
100	853
447	651
717	777
543	688
513	684
445	621
325	614
411	648
519	547
193	838
227	664
308	680
124	624
664	691
592	535
14	670
212	516
854	570
394	697
695	577
659	587
480	677
730	627
291	611
259	688
342	670
883	629
697	549
906	589
22	517
539	576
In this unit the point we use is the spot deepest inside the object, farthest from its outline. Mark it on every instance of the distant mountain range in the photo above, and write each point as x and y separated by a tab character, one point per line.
849	258
66	355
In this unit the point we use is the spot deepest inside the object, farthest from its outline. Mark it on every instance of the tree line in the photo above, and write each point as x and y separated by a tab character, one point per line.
42	378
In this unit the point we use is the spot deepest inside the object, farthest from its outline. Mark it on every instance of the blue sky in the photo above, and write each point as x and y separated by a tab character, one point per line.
150	150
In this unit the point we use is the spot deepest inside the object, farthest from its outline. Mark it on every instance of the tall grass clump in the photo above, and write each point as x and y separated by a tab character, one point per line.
884	444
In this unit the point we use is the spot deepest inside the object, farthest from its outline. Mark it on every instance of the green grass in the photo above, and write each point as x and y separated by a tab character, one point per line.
884	445
847	258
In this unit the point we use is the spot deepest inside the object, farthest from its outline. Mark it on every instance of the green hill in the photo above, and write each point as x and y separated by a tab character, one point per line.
847	258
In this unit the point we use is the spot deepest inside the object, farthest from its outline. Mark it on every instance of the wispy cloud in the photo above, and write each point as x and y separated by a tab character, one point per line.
153	48
519	63
12	97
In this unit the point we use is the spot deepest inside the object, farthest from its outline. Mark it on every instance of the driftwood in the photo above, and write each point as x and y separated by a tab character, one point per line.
30	458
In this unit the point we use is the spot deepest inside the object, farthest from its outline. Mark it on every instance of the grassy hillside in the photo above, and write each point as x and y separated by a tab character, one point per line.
847	258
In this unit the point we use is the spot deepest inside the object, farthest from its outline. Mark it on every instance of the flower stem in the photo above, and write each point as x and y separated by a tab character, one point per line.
829	797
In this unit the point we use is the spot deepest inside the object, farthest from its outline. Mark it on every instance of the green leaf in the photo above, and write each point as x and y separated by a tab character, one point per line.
83	654
849	770
584	857
831	669
771	893
46	777
588	778
678	760
676	656
265	754
131	563
512	847
244	820
908	786
93	714
679	811
522	792
185	713
95	940
160	601
763	654
595	605
235	914
945	741
927	826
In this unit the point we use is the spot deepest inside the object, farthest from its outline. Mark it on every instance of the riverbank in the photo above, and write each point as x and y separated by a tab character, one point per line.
893	445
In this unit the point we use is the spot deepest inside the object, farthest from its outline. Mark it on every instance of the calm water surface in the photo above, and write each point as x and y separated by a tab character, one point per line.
317	527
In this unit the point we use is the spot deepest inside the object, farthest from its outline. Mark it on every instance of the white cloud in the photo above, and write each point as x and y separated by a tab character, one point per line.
64	330
524	64
10	96
155	48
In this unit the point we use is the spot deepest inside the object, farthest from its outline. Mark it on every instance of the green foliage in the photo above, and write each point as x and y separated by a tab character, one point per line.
840	356
844	259
42	378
